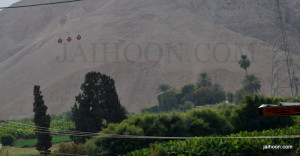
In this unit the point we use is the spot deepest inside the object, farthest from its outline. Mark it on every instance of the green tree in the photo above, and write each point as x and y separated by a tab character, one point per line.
204	80
168	101
98	101
206	95
188	89
42	122
244	63
187	105
186	93
229	97
164	88
246	116
239	95
251	84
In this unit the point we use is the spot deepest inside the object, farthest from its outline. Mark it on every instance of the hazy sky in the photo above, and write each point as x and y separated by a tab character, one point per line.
5	3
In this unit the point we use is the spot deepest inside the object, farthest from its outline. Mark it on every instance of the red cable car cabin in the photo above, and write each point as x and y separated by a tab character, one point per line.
282	109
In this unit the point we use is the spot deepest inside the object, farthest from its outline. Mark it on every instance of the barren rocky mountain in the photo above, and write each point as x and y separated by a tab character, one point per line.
141	44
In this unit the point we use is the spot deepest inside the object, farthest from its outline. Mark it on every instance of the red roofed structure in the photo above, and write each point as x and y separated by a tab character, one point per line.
282	109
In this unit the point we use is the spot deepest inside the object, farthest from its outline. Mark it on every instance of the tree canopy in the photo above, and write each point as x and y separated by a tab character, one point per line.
42	122
245	63
98	101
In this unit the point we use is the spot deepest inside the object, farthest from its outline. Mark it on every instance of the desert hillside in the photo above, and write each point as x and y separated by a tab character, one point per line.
141	44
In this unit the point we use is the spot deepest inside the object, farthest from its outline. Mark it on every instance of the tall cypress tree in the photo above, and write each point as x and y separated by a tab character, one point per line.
98	101
42	122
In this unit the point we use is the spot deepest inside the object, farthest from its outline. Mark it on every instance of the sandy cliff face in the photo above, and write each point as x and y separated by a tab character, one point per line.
141	44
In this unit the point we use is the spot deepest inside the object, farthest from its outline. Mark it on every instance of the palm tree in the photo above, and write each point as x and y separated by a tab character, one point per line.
251	84
244	63
163	88
204	80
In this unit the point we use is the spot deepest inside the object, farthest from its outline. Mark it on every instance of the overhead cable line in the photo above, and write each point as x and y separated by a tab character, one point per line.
117	136
40	4
53	131
45	128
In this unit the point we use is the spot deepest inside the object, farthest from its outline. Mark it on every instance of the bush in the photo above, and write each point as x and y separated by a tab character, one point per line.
226	109
168	101
192	123
216	122
187	105
209	95
158	150
70	148
246	117
7	140
120	146
238	96
91	147
217	146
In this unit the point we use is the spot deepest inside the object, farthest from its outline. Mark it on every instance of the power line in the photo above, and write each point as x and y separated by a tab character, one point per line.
117	136
53	129
40	4
47	130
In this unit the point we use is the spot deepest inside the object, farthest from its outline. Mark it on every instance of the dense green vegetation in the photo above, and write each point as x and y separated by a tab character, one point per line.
222	119
246	117
24	129
218	146
32	142
98	110
219	120
192	123
201	93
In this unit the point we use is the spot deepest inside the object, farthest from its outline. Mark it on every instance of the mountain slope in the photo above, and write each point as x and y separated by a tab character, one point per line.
141	44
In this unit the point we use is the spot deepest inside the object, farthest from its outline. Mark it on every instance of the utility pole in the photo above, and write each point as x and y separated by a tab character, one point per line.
282	68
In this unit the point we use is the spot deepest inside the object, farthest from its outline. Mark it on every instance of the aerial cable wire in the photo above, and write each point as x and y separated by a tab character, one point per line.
47	130
39	127
54	133
40	4
117	136
44	129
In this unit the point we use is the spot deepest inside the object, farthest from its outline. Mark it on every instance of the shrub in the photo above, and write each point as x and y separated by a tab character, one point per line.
158	150
192	123
113	146
246	117
238	96
209	95
168	101
187	105
7	140
70	148
216	122
226	109
218	146
91	147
